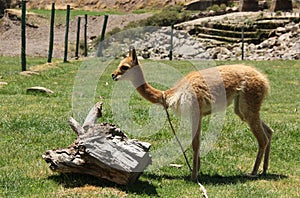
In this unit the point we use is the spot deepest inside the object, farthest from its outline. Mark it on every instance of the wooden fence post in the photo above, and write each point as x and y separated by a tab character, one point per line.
23	32
243	36
85	34
51	40
171	43
67	34
99	53
77	38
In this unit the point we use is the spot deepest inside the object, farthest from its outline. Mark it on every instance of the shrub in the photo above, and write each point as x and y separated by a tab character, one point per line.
278	13
214	7
223	7
114	31
167	16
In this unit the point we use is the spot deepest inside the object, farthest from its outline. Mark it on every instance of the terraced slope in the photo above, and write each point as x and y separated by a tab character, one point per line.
257	26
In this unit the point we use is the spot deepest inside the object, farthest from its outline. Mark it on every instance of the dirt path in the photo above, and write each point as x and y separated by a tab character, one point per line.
38	37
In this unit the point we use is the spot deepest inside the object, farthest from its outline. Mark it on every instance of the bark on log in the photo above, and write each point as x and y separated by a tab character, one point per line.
101	150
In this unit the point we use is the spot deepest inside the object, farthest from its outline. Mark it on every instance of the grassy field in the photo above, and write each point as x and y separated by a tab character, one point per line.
60	15
30	124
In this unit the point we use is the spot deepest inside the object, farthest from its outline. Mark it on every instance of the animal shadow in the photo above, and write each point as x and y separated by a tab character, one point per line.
80	180
220	179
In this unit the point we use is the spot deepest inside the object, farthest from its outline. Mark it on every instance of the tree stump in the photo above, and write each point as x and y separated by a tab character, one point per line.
101	150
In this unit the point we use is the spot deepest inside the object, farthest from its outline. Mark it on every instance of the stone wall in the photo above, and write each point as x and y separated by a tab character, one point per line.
1	9
248	5
281	5
204	4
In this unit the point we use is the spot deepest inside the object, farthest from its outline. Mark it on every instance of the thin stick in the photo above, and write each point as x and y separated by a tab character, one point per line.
203	190
177	139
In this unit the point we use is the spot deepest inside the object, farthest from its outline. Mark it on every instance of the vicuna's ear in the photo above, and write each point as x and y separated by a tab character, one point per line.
132	54
130	51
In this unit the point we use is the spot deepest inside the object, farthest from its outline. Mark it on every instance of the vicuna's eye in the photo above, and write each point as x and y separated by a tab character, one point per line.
124	68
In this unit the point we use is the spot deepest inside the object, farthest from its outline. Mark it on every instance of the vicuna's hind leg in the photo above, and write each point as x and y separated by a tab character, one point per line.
196	138
257	129
249	112
269	133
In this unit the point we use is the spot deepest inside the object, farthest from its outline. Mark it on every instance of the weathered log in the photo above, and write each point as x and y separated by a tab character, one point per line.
101	150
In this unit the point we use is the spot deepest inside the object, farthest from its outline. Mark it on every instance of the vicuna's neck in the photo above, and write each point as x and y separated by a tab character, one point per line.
146	90
150	93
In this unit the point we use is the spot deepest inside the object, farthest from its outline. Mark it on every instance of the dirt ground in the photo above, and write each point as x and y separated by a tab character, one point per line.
38	31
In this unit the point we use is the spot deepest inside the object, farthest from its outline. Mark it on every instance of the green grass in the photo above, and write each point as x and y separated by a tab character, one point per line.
60	15
30	124
47	13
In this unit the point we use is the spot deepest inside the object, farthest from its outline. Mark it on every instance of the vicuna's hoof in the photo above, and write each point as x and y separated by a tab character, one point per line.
264	173
252	175
194	179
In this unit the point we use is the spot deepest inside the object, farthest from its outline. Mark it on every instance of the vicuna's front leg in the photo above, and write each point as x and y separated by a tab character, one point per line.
247	106
196	138
262	138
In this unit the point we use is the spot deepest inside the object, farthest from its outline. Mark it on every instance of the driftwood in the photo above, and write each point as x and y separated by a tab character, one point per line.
101	150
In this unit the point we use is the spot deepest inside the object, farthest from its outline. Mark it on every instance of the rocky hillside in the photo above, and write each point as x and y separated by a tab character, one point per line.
124	5
212	37
154	43
121	5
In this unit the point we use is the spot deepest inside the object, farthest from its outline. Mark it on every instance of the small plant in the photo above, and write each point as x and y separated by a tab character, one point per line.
261	15
114	31
278	13
223	7
214	7
167	16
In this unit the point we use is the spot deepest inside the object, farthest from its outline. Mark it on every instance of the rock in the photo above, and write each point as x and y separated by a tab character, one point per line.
29	73
212	12
146	54
284	37
263	5
3	83
39	89
281	30
156	45
187	50
251	47
235	9
268	43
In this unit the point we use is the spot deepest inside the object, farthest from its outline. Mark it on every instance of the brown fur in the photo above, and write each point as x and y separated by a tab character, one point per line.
244	85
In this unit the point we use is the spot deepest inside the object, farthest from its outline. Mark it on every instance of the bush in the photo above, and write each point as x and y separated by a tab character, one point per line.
162	19
167	16
214	7
278	13
114	31
223	7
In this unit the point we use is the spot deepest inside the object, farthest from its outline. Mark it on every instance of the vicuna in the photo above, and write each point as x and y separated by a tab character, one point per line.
244	86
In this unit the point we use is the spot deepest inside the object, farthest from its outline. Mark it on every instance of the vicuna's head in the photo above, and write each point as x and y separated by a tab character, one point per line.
129	68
